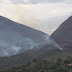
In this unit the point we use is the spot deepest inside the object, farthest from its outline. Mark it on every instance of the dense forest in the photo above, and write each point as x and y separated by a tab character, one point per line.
41	65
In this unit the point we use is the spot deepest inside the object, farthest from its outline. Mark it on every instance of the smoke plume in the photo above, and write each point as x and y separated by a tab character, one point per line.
50	41
8	48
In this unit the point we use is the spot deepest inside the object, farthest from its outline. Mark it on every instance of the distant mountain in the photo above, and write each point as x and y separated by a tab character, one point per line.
63	35
16	38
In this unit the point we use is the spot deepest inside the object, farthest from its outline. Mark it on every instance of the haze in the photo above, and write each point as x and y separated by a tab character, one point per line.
43	15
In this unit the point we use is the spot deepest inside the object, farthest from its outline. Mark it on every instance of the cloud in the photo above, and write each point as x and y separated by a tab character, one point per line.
33	1
17	1
19	13
45	17
39	1
44	1
50	15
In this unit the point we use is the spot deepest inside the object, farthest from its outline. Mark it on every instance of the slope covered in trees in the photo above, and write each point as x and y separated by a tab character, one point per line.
42	65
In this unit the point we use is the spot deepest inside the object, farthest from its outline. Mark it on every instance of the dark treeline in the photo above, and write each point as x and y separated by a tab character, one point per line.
40	65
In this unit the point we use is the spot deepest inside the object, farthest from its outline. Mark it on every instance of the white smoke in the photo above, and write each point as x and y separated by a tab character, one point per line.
8	48
50	41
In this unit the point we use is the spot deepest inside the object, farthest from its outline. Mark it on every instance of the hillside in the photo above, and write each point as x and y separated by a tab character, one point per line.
16	38
48	49
48	52
42	65
63	34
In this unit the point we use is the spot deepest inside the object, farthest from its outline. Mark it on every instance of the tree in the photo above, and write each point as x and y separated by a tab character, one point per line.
59	61
28	63
35	60
66	62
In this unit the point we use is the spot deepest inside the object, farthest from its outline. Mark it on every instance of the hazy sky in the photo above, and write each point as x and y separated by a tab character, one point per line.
44	15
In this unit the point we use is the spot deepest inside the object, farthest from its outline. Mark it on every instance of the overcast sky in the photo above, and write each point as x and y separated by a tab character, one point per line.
44	15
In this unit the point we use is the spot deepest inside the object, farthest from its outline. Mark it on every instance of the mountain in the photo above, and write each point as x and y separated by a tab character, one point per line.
63	35
48	49
48	52
16	38
42	65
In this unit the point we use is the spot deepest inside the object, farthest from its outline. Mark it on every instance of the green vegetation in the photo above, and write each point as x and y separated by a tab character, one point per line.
41	65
